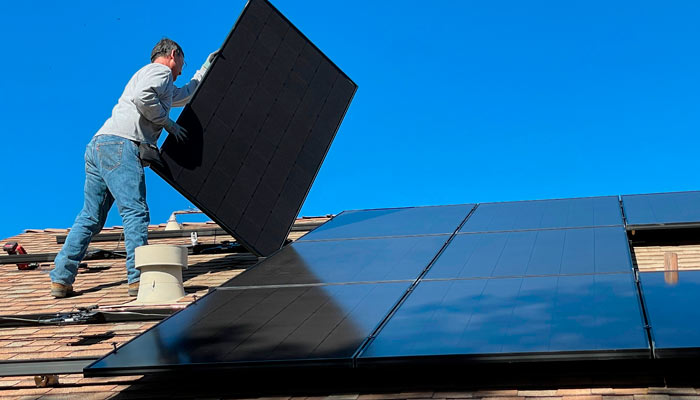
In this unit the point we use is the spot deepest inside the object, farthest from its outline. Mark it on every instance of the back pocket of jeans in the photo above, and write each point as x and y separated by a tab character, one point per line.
110	154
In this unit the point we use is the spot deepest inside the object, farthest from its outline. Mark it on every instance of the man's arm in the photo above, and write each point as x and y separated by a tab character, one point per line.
147	100
182	95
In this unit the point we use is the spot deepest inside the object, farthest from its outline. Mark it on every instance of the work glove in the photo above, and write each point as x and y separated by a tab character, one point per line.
176	130
210	59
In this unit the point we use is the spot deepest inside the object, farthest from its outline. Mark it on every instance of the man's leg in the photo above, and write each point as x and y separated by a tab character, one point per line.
128	185
89	222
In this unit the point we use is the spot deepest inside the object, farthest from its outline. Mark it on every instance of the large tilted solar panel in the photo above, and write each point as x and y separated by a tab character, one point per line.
509	319
259	127
659	209
545	214
532	253
672	300
290	326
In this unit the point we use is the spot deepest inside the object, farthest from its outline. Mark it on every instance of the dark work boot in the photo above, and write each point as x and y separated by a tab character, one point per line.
59	290
134	289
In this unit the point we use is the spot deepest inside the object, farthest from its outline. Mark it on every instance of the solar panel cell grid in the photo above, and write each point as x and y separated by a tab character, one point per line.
495	317
362	260
662	209
545	214
274	325
392	222
532	253
671	301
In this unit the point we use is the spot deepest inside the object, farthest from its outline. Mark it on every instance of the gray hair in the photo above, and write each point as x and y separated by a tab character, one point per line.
164	47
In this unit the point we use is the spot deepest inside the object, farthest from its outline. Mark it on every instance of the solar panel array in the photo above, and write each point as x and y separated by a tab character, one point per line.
391	286
259	127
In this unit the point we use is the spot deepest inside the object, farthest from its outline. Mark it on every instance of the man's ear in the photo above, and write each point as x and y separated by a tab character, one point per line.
172	53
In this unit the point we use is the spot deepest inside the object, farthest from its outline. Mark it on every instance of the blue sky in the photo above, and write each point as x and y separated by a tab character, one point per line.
458	101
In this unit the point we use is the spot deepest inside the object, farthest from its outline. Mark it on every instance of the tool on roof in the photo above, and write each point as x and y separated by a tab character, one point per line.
35	259
14	248
92	314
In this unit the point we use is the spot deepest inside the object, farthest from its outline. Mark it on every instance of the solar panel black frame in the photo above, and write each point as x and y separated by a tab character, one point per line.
271	104
641	214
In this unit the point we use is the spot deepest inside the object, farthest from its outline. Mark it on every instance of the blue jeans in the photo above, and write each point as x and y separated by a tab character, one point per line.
113	171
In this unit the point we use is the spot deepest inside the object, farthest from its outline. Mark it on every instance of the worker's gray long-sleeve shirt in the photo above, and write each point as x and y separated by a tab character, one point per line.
143	108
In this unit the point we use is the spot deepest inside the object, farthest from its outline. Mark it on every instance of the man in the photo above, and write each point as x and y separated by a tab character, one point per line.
113	169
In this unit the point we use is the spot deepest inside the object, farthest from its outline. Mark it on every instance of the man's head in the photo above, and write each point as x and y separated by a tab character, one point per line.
170	54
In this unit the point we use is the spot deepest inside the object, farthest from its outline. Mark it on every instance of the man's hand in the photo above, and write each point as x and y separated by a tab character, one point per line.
176	130
210	59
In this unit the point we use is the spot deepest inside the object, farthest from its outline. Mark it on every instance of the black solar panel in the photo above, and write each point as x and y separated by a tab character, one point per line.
681	208
363	260
392	222
543	214
292	326
539	252
538	318
259	128
672	306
